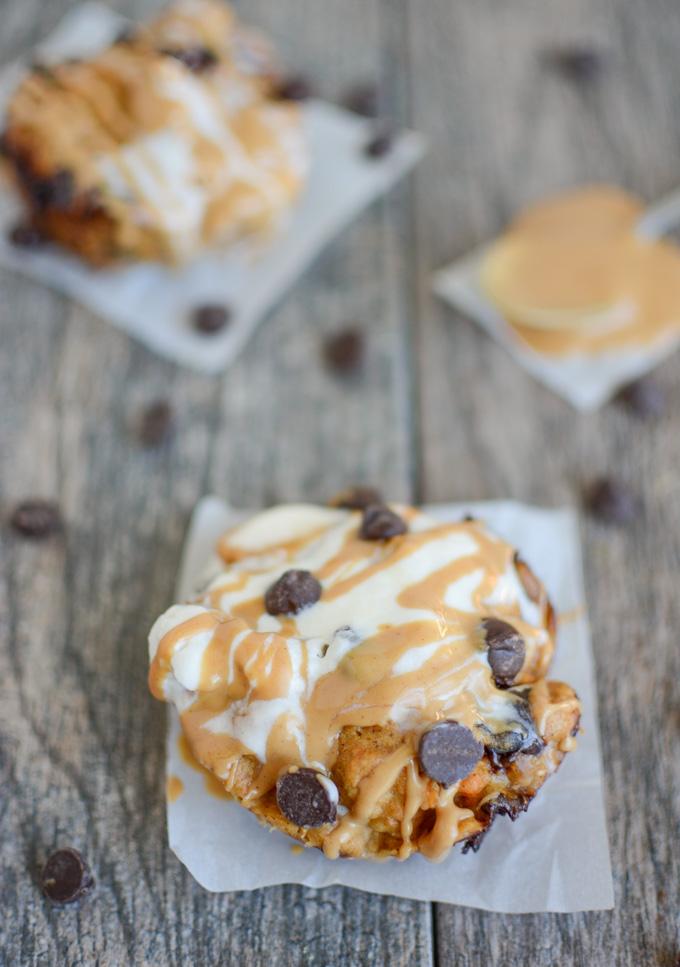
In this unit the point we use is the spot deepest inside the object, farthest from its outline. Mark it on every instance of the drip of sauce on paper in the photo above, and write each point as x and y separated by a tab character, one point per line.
572	276
174	787
210	782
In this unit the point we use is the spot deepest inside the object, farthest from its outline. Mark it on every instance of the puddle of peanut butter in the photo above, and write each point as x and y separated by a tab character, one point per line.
211	782
572	276
174	787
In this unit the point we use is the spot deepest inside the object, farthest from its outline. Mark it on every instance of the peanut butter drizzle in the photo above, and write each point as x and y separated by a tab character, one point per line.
415	655
210	782
89	114
571	276
174	787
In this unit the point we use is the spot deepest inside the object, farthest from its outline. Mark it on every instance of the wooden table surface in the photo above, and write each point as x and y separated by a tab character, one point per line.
439	412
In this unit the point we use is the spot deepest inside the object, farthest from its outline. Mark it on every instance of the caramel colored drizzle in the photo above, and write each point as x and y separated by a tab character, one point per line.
281	690
174	787
572	276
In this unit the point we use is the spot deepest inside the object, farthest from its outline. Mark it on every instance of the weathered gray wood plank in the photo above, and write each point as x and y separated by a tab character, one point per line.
82	742
504	131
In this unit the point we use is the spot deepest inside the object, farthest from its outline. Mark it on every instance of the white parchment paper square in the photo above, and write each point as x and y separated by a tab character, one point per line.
152	302
585	381
555	857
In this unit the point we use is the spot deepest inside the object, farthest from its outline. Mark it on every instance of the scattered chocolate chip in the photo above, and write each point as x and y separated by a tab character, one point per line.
449	752
155	423
36	518
504	805
25	235
644	398
611	501
307	798
66	877
211	318
293	88
506	650
468	518
357	498
38	67
126	36
380	523
518	737
196	59
363	99
380	143
503	744
56	191
578	63
344	352
293	591
474	842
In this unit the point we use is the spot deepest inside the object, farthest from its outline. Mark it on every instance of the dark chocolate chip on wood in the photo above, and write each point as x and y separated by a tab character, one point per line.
25	235
344	352
611	501
195	59
363	99
293	88
211	318
380	523
380	143
357	498
293	591
306	798
644	398
66	877
449	752
578	63
155	423
36	518
506	650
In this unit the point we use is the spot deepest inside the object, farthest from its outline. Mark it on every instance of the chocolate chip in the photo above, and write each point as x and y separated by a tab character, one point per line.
155	423
36	518
363	99
578	63
357	498
126	36
644	398
196	59
449	752
57	191
611	502
344	351
380	523
306	798
380	143
25	235
506	650
211	317
474	842
504	805
66	877
293	88
293	591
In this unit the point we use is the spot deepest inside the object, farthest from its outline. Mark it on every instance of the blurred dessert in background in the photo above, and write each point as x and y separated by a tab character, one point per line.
174	139
573	274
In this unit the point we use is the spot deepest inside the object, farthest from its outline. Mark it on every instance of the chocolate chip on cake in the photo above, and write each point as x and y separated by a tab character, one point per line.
296	87
155	423
344	352
380	523
25	235
56	191
66	877
357	498
307	798
294	591
448	752
611	501
36	518
211	318
380	143
196	59
645	398
506	650
363	99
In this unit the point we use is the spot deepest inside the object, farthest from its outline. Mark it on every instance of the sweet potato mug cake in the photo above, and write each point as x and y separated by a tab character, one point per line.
171	140
367	679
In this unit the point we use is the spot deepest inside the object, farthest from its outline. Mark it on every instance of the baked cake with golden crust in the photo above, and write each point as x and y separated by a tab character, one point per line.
367	679
171	140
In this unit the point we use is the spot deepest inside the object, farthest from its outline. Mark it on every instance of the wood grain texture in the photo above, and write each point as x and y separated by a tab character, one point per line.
438	412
